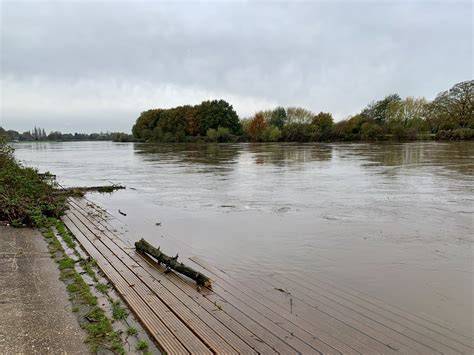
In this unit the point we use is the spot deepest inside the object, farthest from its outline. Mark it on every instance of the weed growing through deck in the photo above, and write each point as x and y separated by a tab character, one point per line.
88	266
142	345
100	333
65	235
131	331
102	288
66	263
118	312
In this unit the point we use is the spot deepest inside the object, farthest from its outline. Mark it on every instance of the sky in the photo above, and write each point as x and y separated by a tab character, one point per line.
90	66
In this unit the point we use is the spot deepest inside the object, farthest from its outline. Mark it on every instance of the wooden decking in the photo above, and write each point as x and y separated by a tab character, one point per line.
237	317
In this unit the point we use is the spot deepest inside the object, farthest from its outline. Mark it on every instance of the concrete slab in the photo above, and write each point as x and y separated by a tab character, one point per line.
36	315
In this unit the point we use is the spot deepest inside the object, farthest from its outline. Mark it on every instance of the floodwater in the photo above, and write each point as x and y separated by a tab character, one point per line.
392	220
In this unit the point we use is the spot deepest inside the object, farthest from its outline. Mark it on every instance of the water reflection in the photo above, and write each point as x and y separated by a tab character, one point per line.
289	154
456	157
208	154
228	154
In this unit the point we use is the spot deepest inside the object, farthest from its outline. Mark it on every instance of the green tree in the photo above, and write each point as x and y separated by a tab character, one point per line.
142	129
278	117
55	136
406	111
215	114
453	108
377	111
322	126
298	115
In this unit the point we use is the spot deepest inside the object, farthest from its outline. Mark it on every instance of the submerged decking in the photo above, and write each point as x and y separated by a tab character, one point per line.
236	317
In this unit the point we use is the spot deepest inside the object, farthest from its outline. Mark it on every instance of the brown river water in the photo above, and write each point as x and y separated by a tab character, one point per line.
394	221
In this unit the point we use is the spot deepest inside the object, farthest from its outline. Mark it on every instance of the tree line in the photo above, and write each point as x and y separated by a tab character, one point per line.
449	116
39	134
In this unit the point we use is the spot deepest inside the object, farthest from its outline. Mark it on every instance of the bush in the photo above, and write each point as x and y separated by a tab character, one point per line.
220	135
371	132
297	132
271	134
26	197
456	134
121	137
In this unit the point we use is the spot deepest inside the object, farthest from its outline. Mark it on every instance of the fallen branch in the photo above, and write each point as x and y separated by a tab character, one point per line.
80	191
172	262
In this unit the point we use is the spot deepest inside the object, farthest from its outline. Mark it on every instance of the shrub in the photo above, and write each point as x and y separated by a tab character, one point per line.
271	134
456	134
221	135
26	197
297	132
371	131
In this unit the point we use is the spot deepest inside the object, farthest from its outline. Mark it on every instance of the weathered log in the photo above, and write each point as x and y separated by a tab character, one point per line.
172	262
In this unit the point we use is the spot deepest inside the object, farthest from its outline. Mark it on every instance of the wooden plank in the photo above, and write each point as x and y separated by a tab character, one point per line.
438	333
258	331
206	327
388	310
256	342
159	331
359	337
343	347
361	334
313	342
399	340
177	327
277	321
370	335
325	300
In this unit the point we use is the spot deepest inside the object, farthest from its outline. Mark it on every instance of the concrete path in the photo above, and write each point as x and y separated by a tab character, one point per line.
36	314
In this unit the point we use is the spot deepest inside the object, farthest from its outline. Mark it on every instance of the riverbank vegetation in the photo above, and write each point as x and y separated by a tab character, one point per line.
26	197
449	116
29	198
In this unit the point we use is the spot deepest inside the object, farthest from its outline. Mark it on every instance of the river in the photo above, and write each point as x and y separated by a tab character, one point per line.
394	221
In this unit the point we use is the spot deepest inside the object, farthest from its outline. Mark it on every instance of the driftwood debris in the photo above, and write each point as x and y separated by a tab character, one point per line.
172	262
81	190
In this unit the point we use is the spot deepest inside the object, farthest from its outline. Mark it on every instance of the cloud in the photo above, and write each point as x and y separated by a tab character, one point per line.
96	65
100	104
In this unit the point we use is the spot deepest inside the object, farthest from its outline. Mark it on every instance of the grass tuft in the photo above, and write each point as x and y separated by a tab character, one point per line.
118	312
102	288
132	331
142	345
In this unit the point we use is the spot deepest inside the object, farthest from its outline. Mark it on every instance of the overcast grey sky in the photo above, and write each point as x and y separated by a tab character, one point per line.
90	66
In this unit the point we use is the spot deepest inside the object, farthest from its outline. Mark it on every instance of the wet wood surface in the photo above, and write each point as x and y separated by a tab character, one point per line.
237	317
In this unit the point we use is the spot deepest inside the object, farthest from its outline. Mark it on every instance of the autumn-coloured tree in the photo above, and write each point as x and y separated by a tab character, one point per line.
256	128
191	122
